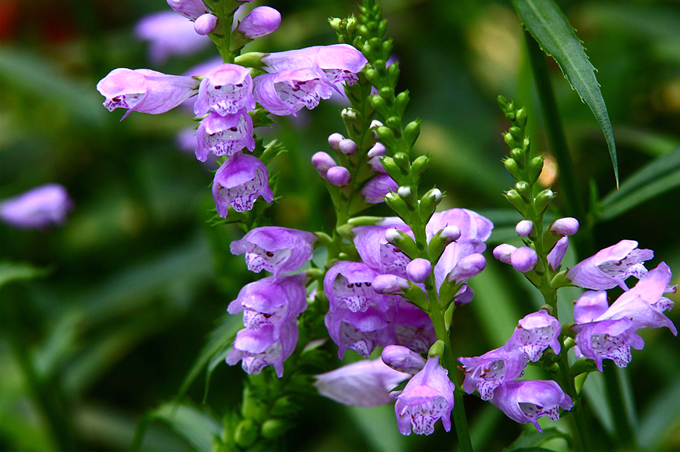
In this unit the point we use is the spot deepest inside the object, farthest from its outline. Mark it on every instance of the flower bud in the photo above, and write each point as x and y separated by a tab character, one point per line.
524	259
377	150
390	284
543	199
523	189
429	202
565	226
338	176
512	168
516	200
451	233
402	359
334	140
273	428
347	146
349	114
322	162
404	192
205	24
412	131
261	21
418	270
420	165
392	235
468	267
518	155
503	251
524	228
246	433
535	168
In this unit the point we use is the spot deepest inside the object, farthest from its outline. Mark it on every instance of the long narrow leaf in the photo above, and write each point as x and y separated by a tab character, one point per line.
557	38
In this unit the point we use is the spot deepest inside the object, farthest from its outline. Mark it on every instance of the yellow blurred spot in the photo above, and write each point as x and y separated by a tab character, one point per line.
549	173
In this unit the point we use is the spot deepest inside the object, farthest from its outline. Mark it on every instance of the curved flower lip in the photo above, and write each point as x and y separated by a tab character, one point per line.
374	250
610	266
37	208
239	182
616	338
263	347
590	306
270	295
191	9
359	331
536	332
145	91
472	225
224	135
225	90
348	284
270	98
336	56
485	374
375	189
364	383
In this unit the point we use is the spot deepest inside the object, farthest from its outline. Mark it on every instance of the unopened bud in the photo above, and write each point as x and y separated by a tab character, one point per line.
349	114
205	24
524	259
503	252
418	270
420	165
402	359
404	192
347	146
338	176
451	233
273	428
246	433
334	140
376	151
543	199
565	226
523	189
261	21
512	168
390	284
516	200
322	162
524	228
535	168
467	268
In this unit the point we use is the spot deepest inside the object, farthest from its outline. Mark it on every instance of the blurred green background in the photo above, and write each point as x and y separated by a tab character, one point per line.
136	278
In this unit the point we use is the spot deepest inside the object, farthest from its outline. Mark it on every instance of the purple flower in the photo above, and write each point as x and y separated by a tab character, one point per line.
427	397
338	176
364	383
390	284
493	369
565	226
556	255
524	228
412	327
261	21
287	92
271	301
418	270
275	249
263	347
526	401
191	9
37	208
375	189
472	225
169	34
339	62
377	252
524	259
145	91
205	24
239	182
225	90
503	252
590	306
536	332
466	268
348	285
607	339
611	266
224	135
322	162
334	140
402	359
361	331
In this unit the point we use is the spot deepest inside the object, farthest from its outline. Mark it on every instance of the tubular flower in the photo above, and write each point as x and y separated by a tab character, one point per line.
348	285
375	189
526	401
37	208
287	92
536	332
607	339
557	253
412	327
191	9
358	331
226	89
374	249
275	249
145	91
224	135
402	359
261	21
364	383
611	266
239	182
263	347
271	301
427	397
493	369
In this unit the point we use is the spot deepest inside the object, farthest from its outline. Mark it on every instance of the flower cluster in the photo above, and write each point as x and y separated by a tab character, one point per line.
270	305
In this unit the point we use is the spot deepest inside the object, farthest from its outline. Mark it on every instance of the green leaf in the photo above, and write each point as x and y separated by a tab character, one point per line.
660	416
532	440
653	179
557	38
15	271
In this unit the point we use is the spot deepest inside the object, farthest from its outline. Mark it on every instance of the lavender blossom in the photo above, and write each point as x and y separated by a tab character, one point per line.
224	135
287	92
262	347
607	339
558	252
338	176
275	249
191	9
145	91
524	259
493	369
427	397
322	162
390	284
348	285
37	208
169	35
466	268
524	228
271	301
526	401
402	359
412	327
360	331
261	21
503	252
364	383
611	266
375	189
239	182
536	332
225	90
376	251
205	24
334	140
418	270
565	226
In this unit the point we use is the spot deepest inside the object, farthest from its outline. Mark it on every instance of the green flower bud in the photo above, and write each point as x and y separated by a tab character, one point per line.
510	140
512	168
523	189
252	407
392	168
351	24
379	104
518	154
386	136
394	201
516	200
393	123
283	406
402	102
336	23
273	428
412	131
420	165
403	241
403	161
387	93
543	199
372	76
250	59
393	73
521	117
516	132
429	203
535	168
437	349
246	433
